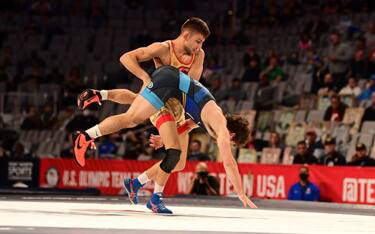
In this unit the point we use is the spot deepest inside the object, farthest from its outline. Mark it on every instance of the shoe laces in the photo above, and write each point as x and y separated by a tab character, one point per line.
161	203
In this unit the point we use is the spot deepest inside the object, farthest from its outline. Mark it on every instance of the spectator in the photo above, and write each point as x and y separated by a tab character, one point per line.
252	71
35	60
203	184
339	56
273	71
329	85
67	152
33	78
64	117
32	121
303	156
304	42
54	76
235	92
251	54
7	57
369	114
371	64
370	35
304	190
316	27
358	65
275	142
370	89
3	153
335	112
195	153
314	145
331	156
351	88
48	118
213	65
107	148
82	121
134	145
18	152
147	154
4	76
211	68
73	84
255	144
217	91
293	59
270	54
361	158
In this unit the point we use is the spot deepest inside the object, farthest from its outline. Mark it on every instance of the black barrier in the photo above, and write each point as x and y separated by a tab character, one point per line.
25	171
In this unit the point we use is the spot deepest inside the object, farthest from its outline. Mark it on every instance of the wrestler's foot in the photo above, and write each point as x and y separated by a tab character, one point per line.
88	97
132	187
81	141
156	204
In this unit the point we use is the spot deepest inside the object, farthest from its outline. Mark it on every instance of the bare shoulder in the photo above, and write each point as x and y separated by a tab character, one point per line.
164	45
162	48
212	111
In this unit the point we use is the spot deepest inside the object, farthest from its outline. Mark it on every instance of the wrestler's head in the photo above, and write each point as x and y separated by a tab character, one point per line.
194	32
238	126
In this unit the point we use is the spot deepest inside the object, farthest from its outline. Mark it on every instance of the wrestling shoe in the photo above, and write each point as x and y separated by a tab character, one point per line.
88	97
132	187
156	204
81	141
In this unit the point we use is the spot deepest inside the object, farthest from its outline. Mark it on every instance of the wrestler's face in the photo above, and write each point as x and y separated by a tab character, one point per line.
193	42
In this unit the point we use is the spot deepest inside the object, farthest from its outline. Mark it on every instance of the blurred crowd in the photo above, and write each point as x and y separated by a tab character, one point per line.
340	58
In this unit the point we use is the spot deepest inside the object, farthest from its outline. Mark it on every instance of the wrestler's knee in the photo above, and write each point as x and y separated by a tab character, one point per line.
170	161
180	165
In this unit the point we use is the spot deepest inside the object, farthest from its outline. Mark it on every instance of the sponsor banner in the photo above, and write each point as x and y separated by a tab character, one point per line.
336	184
19	171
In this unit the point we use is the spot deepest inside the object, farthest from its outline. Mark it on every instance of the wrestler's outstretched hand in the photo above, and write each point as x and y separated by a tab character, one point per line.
156	142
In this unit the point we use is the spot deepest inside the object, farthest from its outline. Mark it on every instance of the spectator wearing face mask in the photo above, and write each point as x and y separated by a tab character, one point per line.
304	190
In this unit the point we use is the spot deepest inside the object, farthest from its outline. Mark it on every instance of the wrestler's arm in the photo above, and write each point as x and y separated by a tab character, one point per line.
224	146
217	123
196	68
132	59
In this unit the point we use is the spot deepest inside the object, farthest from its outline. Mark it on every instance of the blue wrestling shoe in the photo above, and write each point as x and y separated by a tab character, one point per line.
156	204
132	187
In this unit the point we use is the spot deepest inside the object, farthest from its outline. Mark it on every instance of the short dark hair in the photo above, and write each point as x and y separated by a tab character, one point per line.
198	25
301	143
240	127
